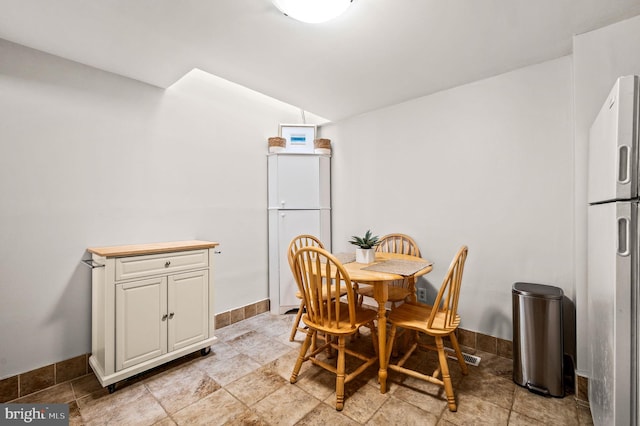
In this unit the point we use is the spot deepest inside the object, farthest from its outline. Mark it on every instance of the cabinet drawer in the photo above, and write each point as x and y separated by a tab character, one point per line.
154	264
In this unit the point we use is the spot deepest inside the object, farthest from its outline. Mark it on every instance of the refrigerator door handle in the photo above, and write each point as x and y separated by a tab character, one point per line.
624	164
624	235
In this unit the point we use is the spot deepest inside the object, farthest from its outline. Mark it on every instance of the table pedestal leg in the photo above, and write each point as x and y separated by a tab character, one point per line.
381	294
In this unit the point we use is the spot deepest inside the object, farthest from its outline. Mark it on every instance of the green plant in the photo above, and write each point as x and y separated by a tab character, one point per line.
366	242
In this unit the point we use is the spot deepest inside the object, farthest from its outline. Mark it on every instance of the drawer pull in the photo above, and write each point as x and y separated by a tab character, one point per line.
164	317
167	263
171	315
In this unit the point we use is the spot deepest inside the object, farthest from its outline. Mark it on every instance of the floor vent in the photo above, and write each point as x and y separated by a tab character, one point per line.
469	359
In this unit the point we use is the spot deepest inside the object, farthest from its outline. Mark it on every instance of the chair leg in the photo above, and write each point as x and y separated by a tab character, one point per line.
446	378
390	342
303	351
456	347
340	374
374	338
359	297
296	323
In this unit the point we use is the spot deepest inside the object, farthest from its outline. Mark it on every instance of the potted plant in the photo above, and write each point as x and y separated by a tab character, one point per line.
366	252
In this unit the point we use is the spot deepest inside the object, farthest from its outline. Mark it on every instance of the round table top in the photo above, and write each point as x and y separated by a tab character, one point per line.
357	273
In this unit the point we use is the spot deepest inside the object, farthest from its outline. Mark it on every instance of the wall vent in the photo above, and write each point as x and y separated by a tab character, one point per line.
469	359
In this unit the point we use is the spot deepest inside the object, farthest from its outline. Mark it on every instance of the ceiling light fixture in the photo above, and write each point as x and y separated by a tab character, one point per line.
312	11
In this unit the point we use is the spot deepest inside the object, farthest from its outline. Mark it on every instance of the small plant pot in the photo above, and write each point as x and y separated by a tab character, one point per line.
365	255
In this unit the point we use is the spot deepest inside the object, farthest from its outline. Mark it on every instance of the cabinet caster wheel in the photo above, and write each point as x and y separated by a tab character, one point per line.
111	388
205	351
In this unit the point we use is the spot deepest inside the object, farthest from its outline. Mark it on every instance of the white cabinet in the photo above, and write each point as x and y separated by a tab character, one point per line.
299	203
299	181
150	304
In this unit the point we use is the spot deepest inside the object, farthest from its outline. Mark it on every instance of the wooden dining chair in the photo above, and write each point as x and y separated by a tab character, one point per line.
399	290
439	320
296	244
316	271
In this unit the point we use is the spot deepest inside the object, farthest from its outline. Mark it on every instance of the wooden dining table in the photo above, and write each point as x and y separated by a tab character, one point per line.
380	279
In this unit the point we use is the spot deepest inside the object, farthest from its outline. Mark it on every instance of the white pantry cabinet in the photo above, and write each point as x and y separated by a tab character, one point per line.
299	202
151	303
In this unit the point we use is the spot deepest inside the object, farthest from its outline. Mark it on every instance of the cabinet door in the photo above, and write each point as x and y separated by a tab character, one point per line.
141	331
299	182
293	223
188	307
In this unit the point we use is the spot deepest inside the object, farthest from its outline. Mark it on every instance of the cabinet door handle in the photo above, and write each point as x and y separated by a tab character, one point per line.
171	315
167	263
164	317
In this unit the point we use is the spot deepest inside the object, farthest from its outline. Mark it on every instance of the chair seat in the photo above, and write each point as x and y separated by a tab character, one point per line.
396	294
363	316
343	291
415	316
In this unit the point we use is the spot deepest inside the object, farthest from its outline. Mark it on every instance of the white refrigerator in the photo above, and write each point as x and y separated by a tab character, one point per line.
613	257
299	203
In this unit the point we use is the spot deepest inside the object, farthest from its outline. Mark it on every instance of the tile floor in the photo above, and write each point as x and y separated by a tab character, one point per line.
245	380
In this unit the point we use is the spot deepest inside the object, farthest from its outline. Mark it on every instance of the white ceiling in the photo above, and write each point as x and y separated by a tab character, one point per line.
380	52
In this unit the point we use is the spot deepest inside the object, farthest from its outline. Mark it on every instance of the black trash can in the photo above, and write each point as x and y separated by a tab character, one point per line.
538	338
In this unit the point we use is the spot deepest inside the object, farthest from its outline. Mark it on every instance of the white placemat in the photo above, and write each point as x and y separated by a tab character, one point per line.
400	267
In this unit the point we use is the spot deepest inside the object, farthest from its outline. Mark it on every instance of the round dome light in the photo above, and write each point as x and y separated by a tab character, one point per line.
312	11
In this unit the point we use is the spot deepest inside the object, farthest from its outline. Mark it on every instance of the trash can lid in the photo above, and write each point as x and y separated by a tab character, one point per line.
538	290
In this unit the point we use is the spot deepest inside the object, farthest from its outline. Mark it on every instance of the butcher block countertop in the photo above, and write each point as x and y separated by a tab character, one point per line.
139	249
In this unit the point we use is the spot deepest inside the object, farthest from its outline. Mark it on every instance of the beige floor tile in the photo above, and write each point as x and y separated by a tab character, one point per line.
58	394
258	347
256	385
215	409
232	331
318	382
284	365
167	421
396	411
229	370
427	396
546	409
324	415
495	365
476	411
489	387
180	387
75	418
220	352
517	419
361	400
133	405
248	417
245	381
85	385
286	406
271	325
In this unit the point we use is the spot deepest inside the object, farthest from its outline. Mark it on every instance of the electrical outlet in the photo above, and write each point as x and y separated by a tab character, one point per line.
422	295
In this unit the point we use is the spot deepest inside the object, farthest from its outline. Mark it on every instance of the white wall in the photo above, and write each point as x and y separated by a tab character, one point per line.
89	159
600	57
488	164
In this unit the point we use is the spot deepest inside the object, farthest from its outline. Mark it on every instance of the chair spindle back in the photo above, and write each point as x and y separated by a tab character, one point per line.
398	243
304	240
319	273
449	294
